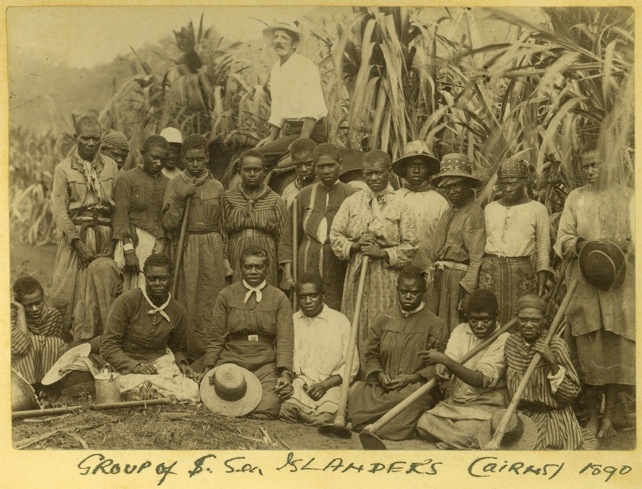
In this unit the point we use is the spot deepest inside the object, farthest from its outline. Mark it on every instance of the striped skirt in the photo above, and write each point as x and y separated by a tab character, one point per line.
557	429
509	278
40	357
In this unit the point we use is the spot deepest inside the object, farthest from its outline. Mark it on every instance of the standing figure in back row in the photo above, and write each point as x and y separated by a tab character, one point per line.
459	239
517	241
254	214
82	200
204	261
375	223
316	208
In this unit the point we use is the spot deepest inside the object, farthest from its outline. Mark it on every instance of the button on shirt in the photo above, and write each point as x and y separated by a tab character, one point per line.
296	91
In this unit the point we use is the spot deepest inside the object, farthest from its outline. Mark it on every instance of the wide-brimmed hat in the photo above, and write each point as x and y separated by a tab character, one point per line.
456	165
75	358
416	151
234	391
23	397
521	432
268	32
603	264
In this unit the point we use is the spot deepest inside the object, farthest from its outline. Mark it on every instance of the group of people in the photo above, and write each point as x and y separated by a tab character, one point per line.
172	280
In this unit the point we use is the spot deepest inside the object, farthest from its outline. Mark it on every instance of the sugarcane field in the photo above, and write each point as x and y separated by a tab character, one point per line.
321	228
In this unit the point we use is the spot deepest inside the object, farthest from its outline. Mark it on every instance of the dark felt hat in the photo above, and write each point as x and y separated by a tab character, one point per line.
456	165
603	264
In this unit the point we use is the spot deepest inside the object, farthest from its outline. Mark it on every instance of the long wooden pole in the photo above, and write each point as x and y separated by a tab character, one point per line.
428	386
108	405
494	443
179	247
295	250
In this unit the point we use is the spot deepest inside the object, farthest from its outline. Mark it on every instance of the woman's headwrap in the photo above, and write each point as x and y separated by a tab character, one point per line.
513	168
115	140
531	301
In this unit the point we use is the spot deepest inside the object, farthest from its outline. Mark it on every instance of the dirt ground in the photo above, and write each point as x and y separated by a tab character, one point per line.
185	427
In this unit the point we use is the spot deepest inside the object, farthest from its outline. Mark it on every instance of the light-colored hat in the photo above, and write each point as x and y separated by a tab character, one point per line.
513	168
233	391
268	32
75	358
521	432
172	135
603	264
456	165
416	150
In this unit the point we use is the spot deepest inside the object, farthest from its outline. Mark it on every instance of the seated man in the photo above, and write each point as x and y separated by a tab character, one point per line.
36	331
477	388
144	337
321	341
252	328
393	367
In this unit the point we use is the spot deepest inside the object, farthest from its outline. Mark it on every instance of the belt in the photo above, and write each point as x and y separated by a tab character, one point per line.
503	257
251	337
533	407
204	230
250	233
298	123
91	221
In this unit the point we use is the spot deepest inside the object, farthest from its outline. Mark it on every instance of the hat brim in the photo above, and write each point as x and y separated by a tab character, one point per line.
603	264
23	397
241	407
58	371
437	179
268	32
399	166
527	441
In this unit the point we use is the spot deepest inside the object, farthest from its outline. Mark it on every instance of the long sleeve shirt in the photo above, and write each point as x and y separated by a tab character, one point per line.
72	193
133	336
139	201
460	237
271	318
296	92
519	230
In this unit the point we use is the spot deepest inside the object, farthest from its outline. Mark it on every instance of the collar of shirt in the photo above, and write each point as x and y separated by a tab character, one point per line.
77	161
256	290
405	314
322	315
157	309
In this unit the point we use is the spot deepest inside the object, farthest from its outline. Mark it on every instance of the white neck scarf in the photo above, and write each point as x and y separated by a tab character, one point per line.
158	309
256	290
405	314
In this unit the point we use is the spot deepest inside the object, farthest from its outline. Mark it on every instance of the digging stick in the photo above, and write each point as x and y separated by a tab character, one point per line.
179	247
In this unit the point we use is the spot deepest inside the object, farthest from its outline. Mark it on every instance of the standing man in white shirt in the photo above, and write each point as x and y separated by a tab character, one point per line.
298	106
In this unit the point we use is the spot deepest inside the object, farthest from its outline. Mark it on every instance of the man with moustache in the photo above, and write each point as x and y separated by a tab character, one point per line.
81	203
298	106
316	208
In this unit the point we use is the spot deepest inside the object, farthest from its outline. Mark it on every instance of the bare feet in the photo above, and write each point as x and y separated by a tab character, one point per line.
606	429
592	424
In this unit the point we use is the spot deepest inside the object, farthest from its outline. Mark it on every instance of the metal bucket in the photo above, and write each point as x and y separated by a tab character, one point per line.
107	385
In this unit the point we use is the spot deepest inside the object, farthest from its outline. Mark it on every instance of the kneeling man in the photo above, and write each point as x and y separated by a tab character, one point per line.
321	341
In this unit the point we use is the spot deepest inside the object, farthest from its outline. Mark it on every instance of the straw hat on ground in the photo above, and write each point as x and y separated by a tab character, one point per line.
233	391
416	151
455	166
75	358
521	432
603	264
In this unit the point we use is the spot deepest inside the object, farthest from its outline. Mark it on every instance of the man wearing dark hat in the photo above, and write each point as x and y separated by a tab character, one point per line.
82	201
601	313
298	106
416	167
477	388
460	237
317	206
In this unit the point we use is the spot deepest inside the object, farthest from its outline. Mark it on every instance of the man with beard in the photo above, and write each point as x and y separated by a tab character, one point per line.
298	106
81	203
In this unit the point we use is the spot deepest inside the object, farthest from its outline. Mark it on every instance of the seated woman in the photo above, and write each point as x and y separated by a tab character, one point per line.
393	367
36	331
144	337
321	341
252	328
554	384
477	388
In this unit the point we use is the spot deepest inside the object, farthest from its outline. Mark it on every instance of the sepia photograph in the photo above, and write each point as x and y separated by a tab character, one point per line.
329	228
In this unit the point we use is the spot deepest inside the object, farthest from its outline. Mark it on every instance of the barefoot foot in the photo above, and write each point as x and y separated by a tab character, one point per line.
606	429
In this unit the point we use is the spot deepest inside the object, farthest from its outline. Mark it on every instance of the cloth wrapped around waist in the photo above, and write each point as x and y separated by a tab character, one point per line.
250	233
